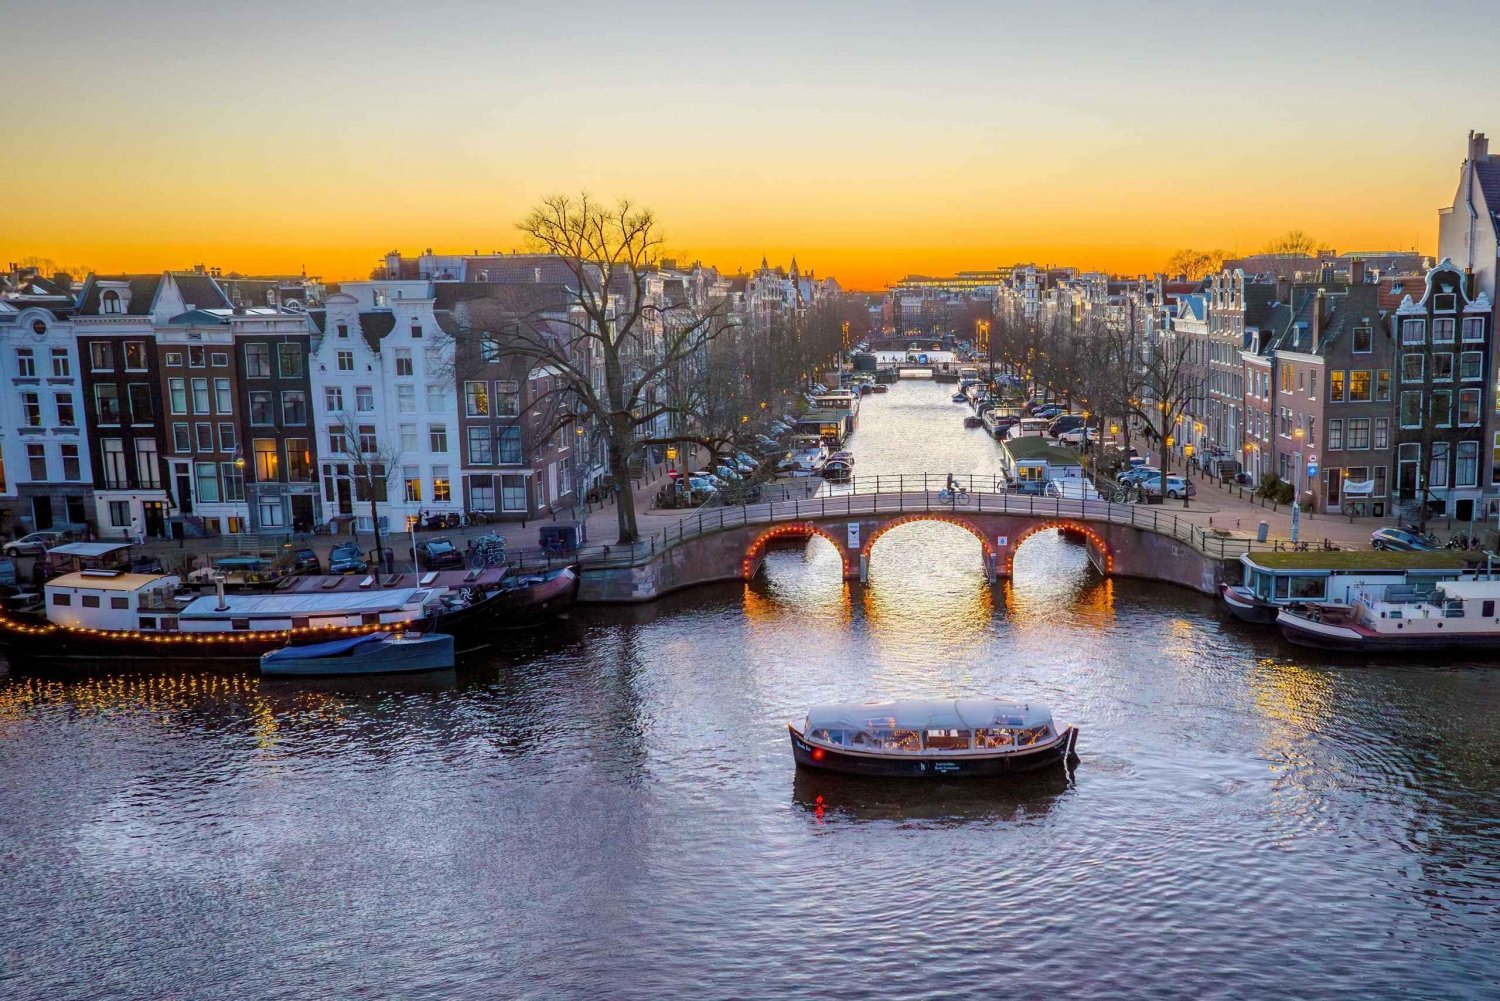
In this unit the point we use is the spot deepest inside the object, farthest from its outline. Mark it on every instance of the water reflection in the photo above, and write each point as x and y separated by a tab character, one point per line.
833	799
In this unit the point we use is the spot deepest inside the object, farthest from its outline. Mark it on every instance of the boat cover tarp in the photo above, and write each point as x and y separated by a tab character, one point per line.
928	714
333	648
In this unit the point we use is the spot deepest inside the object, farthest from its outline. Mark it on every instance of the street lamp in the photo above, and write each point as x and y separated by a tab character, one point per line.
1299	435
239	465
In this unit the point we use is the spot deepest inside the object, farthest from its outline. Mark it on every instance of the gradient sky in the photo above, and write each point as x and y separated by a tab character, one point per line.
871	140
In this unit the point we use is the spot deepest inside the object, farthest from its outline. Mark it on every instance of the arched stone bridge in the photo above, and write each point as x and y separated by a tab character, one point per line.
729	543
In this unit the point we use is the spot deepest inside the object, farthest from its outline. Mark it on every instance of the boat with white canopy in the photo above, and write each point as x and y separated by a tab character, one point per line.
931	738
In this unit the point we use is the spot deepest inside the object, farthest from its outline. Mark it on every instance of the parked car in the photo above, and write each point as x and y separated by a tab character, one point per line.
346	557
1064	422
1075	436
697	484
34	544
306	561
1397	541
439	554
1138	474
704	474
1177	487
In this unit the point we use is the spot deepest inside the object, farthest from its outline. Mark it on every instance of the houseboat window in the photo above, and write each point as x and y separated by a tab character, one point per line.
1487	609
148	622
370	619
1300	588
992	739
239	623
119	603
169	623
89	600
948	740
59	598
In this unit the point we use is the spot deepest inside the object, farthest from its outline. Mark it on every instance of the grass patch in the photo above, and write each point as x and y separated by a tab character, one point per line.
1366	559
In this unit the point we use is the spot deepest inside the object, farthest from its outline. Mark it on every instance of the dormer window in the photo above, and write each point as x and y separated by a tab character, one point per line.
1445	302
416	329
343	330
110	302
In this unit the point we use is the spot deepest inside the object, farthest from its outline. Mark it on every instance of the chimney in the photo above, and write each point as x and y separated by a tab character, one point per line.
1319	315
1479	147
1356	272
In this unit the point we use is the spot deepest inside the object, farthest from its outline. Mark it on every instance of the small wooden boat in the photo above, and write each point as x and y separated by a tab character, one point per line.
973	421
373	653
960	398
881	387
931	738
838	470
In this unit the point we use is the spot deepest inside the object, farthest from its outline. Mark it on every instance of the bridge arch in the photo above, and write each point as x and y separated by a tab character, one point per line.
984	541
754	552
1106	554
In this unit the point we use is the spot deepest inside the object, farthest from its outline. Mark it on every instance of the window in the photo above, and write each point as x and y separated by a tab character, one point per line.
1359	387
107	403
140	402
147	469
293	407
272	515
25	363
1411	367
206	481
1468	408
228	440
89	600
1466	464
31	410
177	395
182	439
482	493
510	446
333	399
119	514
1413	331
343	329
298	461
513	493
196	355
507	399
205	436
437	438
408	438
289	360
101	356
223	397
436	397
1442	408
258	361
1382	432
346	361
262	408
234	481
1359	433
412	478
1364	340
1312	384
36	459
364	399
220	359
1442	330
1495	459
71	469
368	441
135	356
1383	386
1411	409
476	399
416	329
1336	386
403	361
1442	366
481	446
442	489
1335	435
200	397
406	399
61	598
489	348
1471	366
267	462
1473	330
338	440
62	366
1437	468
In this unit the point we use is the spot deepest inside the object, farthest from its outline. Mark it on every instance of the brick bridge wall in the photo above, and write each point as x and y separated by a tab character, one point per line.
736	553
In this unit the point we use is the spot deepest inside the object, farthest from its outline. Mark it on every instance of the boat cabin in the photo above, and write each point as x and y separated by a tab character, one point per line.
108	599
1285	578
74	557
921	726
1034	462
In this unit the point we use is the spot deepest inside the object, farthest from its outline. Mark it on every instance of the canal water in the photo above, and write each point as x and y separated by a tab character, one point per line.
608	809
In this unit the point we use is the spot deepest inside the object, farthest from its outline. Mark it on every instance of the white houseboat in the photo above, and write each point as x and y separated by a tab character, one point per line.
1462	614
1275	580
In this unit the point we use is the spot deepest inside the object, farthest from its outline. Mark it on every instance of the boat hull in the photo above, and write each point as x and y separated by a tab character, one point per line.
922	766
1246	607
432	652
1333	636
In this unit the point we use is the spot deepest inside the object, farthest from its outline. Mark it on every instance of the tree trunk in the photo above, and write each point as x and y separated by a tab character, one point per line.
375	524
619	469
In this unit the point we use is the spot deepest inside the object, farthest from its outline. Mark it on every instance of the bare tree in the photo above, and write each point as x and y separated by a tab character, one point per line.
1293	243
1196	264
372	465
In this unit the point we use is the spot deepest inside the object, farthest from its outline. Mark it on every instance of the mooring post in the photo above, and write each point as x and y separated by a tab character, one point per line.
864	568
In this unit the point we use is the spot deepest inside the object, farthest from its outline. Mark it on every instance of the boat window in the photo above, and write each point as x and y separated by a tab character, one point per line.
948	740
169	623
89	600
830	736
992	739
148	622
299	622
239	623
1487	609
1031	735
60	598
896	740
370	619
119	602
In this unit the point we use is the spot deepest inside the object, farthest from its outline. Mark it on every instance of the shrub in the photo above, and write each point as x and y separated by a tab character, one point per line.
1284	493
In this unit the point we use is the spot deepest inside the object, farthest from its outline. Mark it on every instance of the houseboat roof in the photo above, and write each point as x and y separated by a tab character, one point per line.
1034	448
88	550
451	579
928	714
1353	560
1469	590
283	605
106	581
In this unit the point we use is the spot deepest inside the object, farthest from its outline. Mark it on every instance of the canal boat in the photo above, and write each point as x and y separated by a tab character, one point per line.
960	398
972	420
931	738
881	387
838	470
1275	580
372	653
1449	615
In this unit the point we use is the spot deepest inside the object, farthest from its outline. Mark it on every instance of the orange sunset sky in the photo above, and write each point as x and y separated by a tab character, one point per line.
870	140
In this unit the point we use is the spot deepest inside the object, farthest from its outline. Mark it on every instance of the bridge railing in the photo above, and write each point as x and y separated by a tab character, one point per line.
910	493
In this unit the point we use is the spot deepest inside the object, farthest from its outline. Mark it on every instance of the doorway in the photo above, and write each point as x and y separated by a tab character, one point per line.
184	486
41	513
302	512
156	519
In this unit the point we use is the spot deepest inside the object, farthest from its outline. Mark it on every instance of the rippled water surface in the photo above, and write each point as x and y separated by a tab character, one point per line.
609	808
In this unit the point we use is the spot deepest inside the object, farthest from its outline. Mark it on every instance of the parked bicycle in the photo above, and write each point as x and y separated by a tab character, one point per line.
474	519
488	550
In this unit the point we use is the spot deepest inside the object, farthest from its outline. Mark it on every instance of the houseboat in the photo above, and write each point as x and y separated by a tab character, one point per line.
931	738
1031	463
1453	614
1276	580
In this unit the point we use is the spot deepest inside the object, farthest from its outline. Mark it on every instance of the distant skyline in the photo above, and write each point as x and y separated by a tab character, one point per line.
870	140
